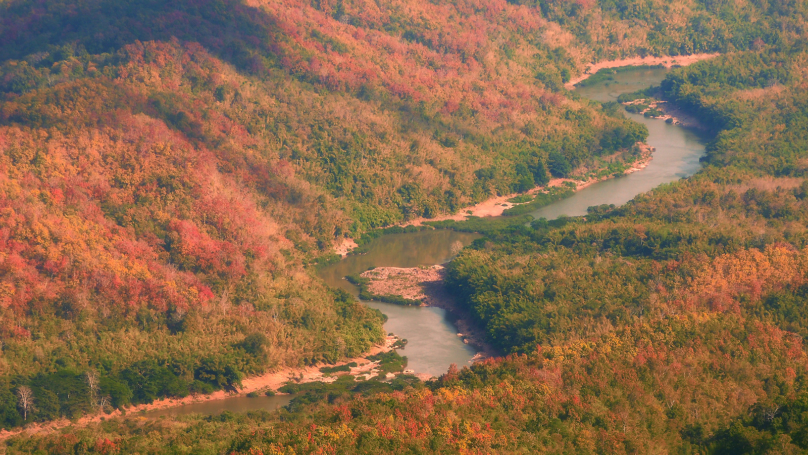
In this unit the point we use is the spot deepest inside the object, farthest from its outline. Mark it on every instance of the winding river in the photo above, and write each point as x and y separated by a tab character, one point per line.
677	152
433	343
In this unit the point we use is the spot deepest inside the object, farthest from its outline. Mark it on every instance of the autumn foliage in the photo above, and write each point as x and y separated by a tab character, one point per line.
170	172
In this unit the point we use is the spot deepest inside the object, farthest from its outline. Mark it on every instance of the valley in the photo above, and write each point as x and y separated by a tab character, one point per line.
263	227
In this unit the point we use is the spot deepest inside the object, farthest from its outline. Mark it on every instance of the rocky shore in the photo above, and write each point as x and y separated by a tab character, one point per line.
667	112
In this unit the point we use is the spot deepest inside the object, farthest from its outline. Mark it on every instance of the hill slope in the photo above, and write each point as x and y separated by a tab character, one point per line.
168	169
675	322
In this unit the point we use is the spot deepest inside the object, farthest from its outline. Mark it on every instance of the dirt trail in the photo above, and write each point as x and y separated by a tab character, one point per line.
666	61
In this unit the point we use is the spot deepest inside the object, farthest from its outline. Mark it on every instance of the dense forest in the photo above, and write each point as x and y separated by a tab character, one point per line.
170	169
171	172
675	321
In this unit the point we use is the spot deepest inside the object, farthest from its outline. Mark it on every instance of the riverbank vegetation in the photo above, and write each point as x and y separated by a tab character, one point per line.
728	243
606	75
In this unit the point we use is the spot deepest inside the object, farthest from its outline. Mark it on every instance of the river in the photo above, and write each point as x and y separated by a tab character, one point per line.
433	343
676	156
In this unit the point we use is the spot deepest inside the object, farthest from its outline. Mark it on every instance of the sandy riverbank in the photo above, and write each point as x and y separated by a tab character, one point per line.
345	246
666	61
494	206
261	383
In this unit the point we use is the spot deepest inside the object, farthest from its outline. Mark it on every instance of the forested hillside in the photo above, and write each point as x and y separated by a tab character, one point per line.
726	248
675	322
169	171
